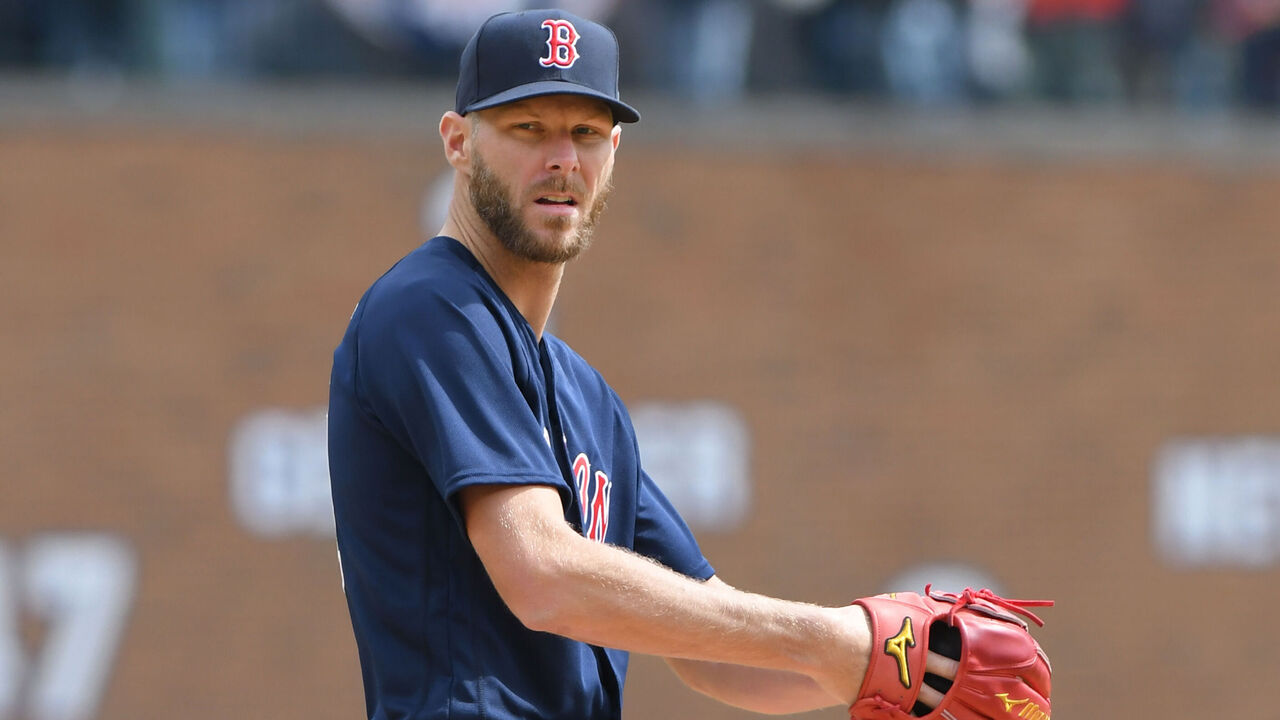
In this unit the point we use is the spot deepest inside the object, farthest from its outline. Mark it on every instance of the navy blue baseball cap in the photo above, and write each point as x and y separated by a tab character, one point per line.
518	55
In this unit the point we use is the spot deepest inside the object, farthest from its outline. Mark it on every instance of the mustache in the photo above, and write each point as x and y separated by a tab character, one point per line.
559	185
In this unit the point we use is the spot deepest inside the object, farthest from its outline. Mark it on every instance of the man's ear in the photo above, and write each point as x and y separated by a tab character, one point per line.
616	135
455	134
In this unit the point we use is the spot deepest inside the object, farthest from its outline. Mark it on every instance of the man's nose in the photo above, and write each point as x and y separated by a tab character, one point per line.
562	154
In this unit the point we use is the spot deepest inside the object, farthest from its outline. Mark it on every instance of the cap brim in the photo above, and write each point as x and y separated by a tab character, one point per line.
622	112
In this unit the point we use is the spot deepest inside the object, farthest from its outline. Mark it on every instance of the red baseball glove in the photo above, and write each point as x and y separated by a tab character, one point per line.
1002	671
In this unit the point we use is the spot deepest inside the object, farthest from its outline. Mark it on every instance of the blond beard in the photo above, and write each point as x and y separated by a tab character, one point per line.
493	203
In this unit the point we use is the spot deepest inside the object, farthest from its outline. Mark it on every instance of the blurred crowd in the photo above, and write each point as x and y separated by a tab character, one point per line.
1183	54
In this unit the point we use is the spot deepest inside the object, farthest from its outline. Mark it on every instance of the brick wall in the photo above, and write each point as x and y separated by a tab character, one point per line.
969	360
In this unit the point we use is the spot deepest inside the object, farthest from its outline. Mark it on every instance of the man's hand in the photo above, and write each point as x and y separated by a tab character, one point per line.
966	656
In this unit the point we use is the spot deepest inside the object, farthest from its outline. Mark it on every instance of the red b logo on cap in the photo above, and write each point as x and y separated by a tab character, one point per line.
562	44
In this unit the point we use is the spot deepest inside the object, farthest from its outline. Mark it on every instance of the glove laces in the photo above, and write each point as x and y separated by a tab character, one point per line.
877	706
969	596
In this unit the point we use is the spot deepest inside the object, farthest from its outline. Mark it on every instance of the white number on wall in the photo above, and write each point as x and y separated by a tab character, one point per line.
279	467
699	454
1216	501
79	588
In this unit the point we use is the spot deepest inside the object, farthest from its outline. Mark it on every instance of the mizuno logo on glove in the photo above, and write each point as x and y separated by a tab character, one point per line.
1030	710
896	647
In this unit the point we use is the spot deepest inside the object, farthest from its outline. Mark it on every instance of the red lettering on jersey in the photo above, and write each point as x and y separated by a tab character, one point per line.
592	501
600	508
582	479
562	44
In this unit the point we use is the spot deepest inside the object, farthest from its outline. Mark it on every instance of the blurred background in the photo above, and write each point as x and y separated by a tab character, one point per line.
1179	55
971	292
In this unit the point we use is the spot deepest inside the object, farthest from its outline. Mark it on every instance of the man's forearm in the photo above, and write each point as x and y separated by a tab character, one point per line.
608	596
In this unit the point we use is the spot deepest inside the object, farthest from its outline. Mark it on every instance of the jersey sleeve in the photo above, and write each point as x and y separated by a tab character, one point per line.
663	535
440	376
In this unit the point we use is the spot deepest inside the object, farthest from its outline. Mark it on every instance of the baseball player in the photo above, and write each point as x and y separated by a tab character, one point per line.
502	547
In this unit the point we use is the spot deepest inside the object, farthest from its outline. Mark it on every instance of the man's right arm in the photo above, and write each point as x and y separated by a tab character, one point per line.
554	580
761	690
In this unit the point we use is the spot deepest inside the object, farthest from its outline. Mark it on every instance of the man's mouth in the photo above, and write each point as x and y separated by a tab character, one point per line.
556	200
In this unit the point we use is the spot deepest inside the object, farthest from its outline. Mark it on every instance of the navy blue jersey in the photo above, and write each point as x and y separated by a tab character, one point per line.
440	383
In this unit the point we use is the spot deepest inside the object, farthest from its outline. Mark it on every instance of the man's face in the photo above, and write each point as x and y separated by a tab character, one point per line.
541	173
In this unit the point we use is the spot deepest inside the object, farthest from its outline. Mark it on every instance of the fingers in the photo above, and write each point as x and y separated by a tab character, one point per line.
941	665
929	696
